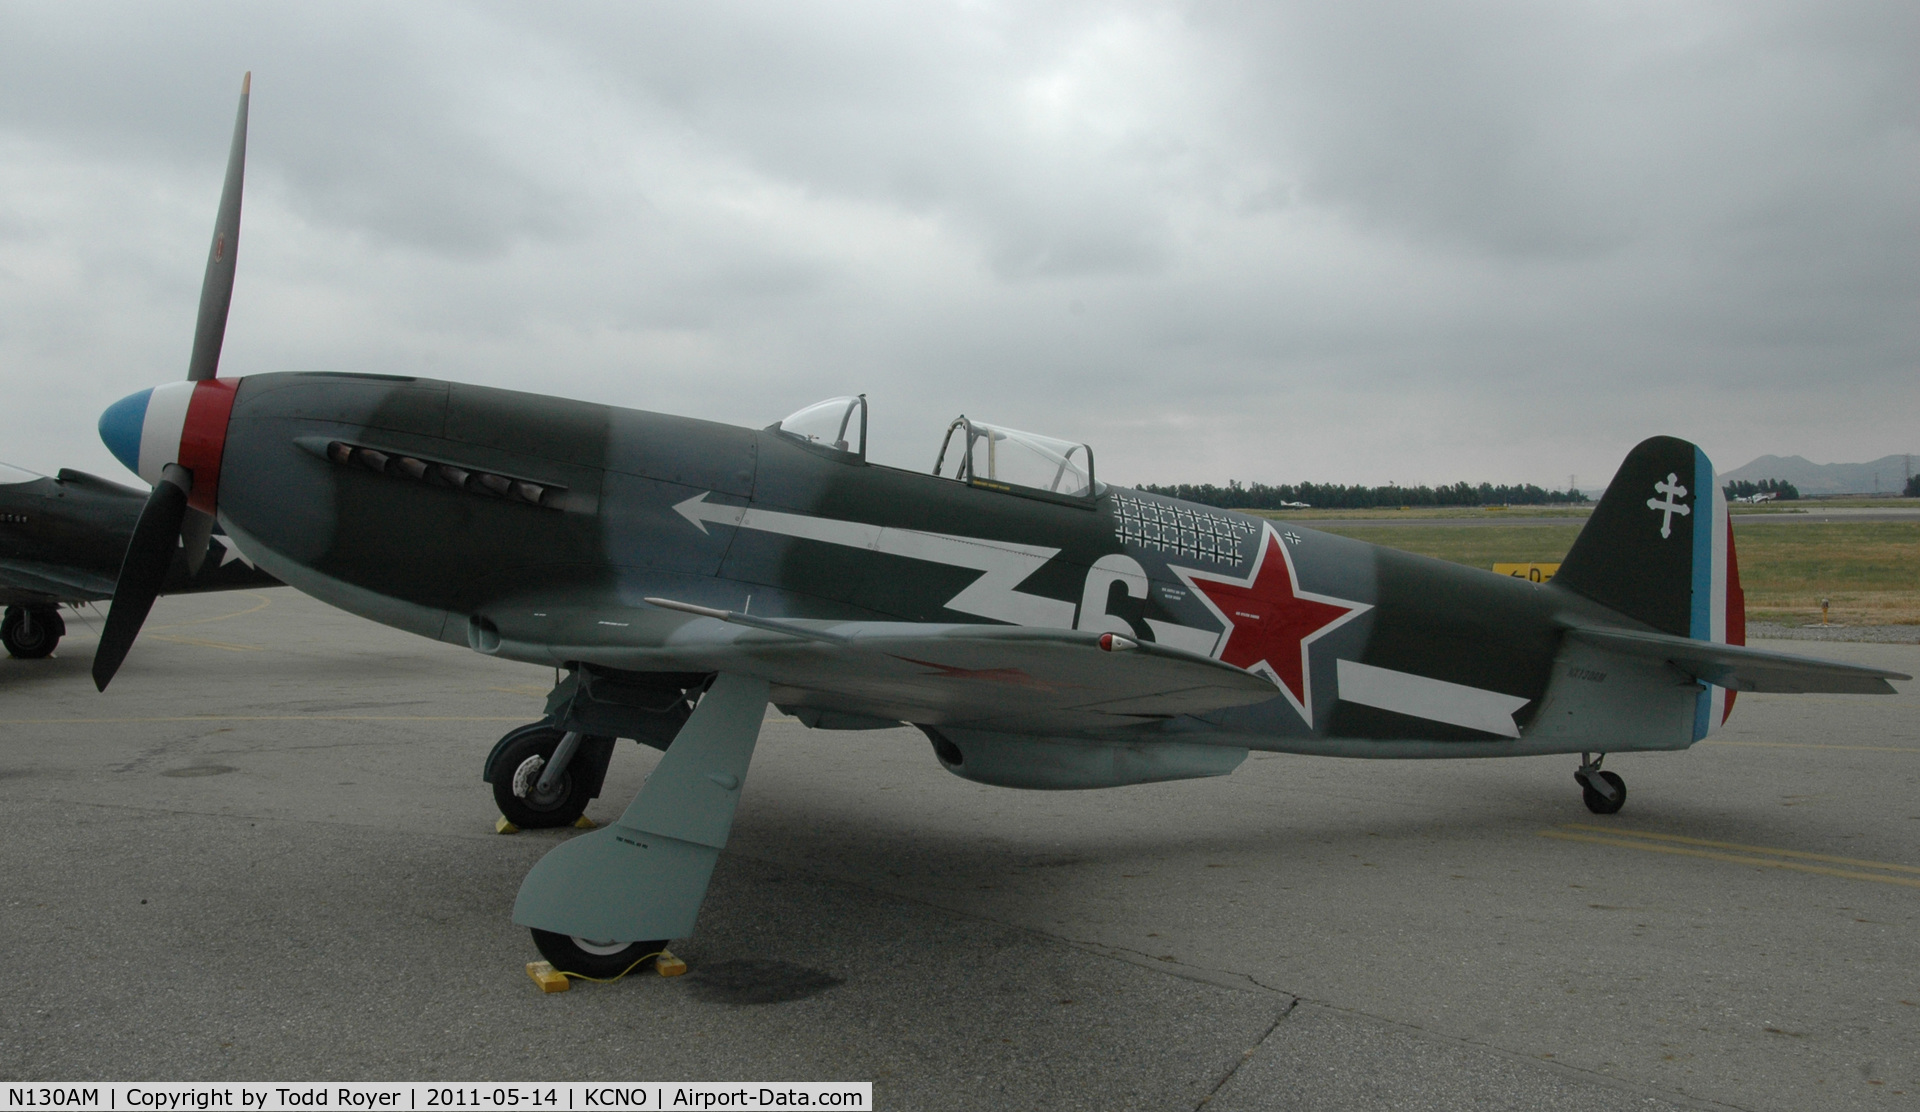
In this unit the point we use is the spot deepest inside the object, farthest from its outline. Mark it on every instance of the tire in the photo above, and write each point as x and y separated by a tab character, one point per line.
1599	804
601	961
516	763
31	634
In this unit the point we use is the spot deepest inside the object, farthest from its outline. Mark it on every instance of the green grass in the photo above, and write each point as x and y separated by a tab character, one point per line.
1869	571
1480	546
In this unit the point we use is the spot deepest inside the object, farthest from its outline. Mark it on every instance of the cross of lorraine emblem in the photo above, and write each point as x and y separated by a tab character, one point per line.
1672	489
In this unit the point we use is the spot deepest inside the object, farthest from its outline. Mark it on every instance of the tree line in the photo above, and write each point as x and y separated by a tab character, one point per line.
1779	488
1262	496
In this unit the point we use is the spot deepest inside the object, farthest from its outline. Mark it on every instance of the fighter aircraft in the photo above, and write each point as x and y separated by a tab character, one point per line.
1041	628
61	542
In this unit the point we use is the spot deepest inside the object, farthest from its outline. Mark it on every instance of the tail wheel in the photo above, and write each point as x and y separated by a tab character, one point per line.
601	960
1600	804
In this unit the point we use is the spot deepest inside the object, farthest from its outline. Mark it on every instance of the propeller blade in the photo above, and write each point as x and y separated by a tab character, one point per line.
149	555
195	531
216	290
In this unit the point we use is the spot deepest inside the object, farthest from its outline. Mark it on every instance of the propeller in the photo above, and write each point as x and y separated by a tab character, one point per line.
167	521
142	570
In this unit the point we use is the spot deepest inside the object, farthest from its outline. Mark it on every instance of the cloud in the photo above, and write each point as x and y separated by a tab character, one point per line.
1258	241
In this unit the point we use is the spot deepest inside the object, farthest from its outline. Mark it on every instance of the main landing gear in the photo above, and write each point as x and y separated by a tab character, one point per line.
600	960
31	632
543	777
1604	792
597	902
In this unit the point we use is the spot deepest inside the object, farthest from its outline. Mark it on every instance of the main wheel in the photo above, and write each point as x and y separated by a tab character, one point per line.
596	959
516	781
1600	804
31	634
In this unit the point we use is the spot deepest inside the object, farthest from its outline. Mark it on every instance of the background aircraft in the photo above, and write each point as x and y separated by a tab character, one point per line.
1042	629
61	543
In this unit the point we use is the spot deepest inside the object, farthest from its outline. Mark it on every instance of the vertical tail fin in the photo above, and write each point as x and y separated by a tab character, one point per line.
1659	549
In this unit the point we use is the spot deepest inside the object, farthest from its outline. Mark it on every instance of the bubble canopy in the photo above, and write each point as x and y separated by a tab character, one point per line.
831	424
1008	459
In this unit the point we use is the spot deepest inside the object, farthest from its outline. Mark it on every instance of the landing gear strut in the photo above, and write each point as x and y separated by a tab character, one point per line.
543	777
1604	792
644	876
31	632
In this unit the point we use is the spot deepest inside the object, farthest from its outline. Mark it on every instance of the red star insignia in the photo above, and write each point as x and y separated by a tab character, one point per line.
1270	622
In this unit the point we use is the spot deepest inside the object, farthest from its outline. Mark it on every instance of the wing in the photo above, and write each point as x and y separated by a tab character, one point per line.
1739	668
53	582
1020	677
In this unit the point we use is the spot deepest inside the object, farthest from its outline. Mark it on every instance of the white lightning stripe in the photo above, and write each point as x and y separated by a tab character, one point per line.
992	595
1435	700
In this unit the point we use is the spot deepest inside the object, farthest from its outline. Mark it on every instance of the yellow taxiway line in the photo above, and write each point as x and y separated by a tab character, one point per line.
205	644
1766	857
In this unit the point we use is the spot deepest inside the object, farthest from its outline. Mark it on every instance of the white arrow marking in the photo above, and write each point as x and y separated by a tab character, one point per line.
1006	565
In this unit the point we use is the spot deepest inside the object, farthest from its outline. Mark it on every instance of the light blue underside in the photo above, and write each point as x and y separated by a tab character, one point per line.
645	876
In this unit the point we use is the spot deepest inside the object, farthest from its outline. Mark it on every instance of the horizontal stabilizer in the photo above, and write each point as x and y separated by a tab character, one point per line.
1739	668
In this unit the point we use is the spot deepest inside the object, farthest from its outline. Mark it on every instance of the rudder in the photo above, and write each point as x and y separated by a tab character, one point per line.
1659	549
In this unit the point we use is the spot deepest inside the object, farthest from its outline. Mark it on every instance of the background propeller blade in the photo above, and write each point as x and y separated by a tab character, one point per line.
216	290
149	555
196	529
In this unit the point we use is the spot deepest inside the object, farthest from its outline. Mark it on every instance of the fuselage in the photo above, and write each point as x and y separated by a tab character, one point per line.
519	523
62	539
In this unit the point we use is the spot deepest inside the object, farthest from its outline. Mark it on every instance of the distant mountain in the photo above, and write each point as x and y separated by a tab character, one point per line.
1887	475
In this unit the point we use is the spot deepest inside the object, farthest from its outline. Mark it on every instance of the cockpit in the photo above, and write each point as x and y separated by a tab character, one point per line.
1001	458
830	424
992	457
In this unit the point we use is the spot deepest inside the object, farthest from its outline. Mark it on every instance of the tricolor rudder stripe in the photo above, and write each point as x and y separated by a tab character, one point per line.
1719	610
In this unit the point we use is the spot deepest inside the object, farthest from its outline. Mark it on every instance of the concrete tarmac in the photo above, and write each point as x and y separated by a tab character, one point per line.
265	853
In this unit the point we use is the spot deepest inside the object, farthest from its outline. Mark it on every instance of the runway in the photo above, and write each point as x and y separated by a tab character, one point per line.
266	854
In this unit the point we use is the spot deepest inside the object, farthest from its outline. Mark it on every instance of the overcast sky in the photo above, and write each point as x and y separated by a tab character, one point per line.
1352	242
